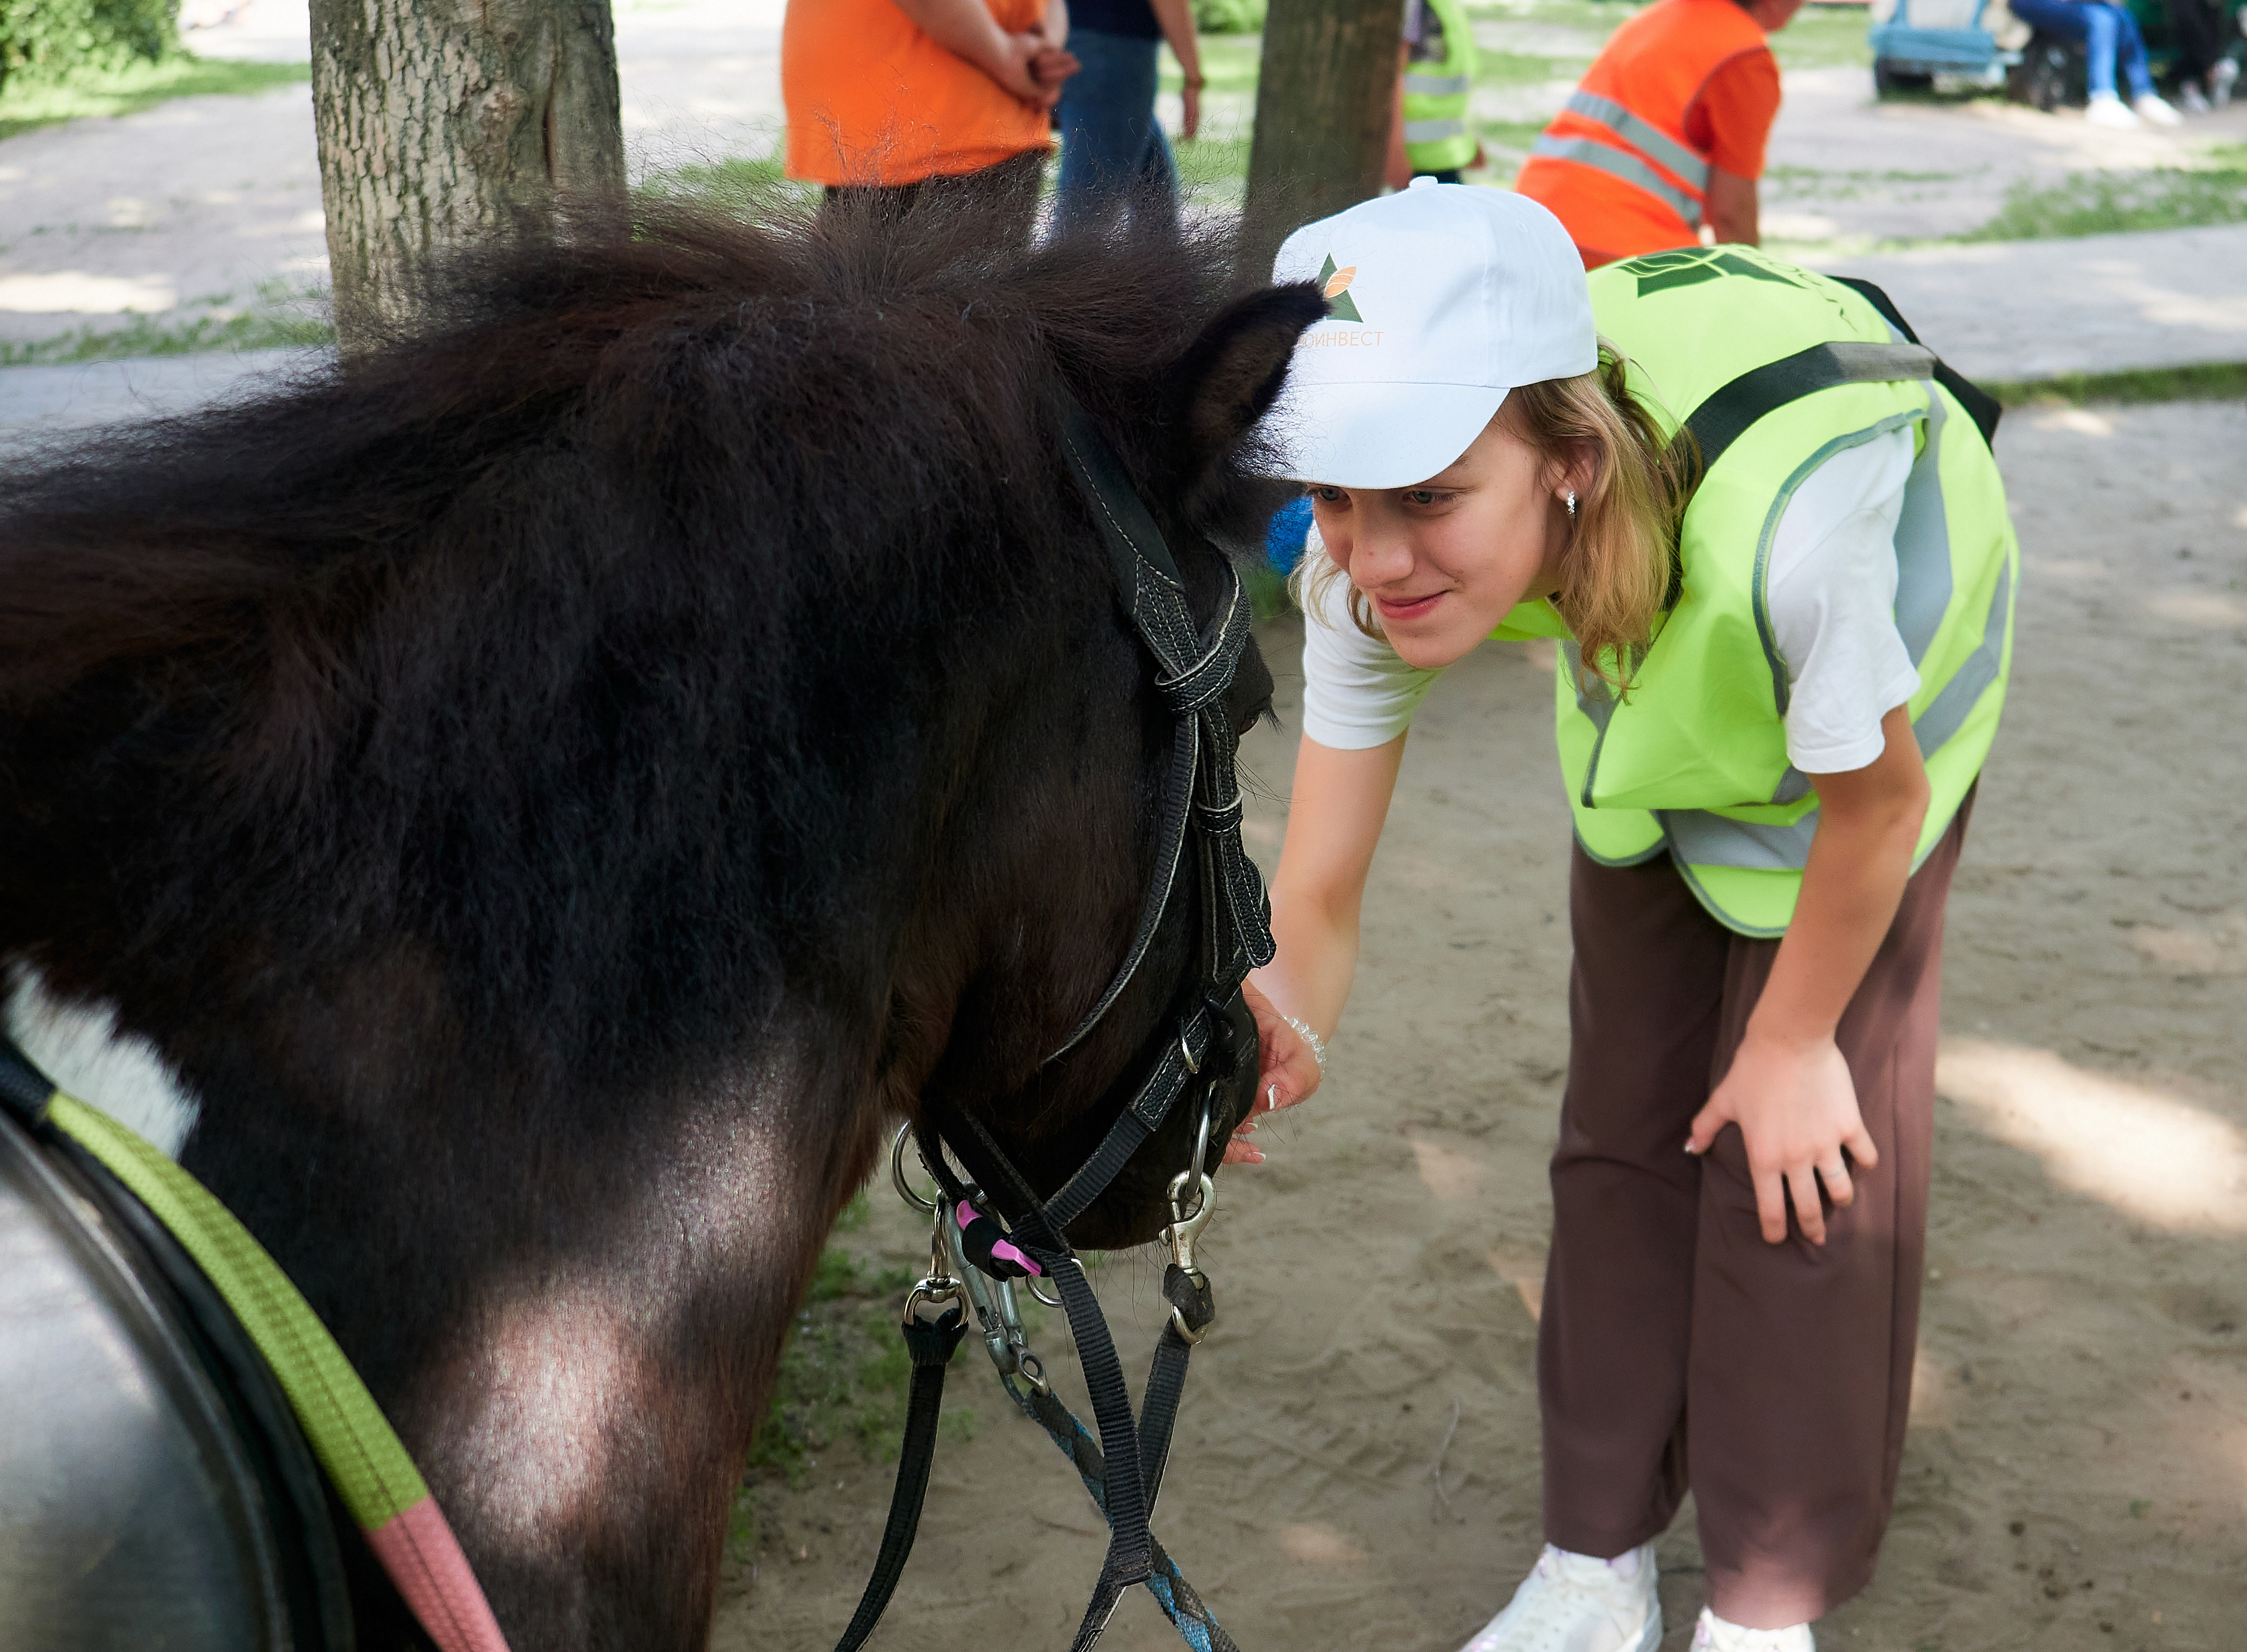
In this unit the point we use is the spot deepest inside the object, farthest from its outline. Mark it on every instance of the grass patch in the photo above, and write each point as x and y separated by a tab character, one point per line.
1824	37
155	336
841	1381
2215	381
2105	203
1229	63
740	184
1210	161
25	105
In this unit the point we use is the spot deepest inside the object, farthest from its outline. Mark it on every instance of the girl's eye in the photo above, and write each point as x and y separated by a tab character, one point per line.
1327	495
1422	496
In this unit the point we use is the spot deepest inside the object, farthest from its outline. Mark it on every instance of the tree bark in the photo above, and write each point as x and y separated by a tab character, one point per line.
445	122
1322	113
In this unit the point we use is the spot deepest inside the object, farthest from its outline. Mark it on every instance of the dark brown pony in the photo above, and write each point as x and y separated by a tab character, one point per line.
554	790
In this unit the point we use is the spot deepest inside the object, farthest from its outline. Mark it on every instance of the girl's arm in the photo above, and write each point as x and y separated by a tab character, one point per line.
1334	821
1789	1089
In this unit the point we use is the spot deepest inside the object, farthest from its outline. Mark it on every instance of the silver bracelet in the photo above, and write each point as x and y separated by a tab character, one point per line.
1318	1045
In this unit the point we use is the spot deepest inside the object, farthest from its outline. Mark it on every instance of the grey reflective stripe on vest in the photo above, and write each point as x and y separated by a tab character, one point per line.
1947	712
1434	85
1923	541
1433	131
1703	839
1641	135
1627	167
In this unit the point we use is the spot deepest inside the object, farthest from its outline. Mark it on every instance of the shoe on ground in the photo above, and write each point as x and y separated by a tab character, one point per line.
2108	110
2191	101
1577	1604
2220	80
2151	107
1712	1633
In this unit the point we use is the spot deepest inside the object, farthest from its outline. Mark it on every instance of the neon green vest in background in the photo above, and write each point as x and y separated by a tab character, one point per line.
1436	135
1694	763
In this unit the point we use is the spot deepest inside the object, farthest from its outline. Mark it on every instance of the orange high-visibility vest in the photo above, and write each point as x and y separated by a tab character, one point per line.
1614	167
872	99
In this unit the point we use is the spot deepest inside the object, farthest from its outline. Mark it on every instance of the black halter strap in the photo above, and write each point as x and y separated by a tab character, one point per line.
1124	1472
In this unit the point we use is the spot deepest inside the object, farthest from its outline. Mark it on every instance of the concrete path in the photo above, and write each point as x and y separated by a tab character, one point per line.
2040	309
37	403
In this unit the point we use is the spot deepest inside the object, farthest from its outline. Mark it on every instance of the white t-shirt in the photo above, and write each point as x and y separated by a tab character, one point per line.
1831	589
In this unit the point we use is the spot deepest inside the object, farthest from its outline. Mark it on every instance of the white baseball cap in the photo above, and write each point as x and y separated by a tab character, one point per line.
1441	298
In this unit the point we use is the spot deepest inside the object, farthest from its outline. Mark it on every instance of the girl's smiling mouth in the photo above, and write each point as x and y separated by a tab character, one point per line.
1393	608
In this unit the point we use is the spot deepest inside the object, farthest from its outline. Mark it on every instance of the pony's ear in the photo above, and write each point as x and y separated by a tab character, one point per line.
1230	376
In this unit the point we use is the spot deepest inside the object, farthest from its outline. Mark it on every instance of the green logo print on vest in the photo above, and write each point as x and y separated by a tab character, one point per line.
1694	763
1334	283
1659	271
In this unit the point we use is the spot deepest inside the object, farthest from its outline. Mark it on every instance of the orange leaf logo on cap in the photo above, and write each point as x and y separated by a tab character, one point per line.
1334	285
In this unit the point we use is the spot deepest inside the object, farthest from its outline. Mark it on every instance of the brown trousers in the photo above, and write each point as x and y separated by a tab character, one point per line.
1677	1349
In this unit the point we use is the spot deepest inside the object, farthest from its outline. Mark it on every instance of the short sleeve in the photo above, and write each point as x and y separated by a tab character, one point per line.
1729	120
1356	692
1830	588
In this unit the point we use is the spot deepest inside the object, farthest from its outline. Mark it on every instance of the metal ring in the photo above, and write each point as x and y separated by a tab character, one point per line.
1031	1279
1193	1064
927	1207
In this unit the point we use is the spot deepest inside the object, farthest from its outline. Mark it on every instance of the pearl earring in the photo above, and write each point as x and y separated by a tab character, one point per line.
1571	502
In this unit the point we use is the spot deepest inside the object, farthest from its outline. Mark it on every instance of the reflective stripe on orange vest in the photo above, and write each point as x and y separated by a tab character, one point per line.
1615	165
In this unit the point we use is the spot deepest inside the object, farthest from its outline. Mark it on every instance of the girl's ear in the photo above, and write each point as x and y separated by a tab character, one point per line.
1576	470
1230	376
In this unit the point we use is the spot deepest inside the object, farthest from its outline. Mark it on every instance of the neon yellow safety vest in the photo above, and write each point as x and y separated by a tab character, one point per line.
1436	135
1693	763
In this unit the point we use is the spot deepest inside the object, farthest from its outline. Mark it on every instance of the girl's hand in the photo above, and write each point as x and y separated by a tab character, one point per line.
1796	1110
1288	1073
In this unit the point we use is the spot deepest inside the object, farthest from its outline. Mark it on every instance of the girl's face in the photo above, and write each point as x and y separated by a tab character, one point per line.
1444	560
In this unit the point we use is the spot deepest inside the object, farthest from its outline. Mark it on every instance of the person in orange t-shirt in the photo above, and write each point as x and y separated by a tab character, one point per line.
897	100
1666	133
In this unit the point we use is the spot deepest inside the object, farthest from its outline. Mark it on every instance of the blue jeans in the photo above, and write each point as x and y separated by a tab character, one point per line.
1111	145
2108	31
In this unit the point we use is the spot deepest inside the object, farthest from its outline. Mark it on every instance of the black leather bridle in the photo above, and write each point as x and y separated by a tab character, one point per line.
1210	1032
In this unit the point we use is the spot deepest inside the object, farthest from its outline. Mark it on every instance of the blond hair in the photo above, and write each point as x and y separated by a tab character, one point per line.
1620	569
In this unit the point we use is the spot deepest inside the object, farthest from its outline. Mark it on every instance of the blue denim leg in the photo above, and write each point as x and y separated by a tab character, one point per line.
2094	24
2130	53
1110	141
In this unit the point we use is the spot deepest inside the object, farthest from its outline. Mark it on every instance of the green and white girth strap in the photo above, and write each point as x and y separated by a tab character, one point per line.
370	1469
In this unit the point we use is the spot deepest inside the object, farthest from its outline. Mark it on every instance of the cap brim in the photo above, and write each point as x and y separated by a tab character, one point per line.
1376	435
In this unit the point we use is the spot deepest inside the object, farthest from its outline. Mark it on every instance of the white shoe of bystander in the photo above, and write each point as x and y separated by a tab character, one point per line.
2151	107
2108	110
1579	1603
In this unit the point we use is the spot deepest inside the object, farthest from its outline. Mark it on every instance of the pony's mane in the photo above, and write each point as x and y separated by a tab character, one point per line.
602	477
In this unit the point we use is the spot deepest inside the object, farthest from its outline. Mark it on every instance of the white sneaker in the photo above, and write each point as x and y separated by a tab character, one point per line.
2220	80
1577	1604
2192	101
1712	1633
2108	110
2151	107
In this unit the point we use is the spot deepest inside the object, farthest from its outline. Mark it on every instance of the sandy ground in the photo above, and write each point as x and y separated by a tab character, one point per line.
2076	1474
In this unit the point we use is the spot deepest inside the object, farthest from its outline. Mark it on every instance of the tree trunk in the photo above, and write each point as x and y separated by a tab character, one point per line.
1323	104
443	122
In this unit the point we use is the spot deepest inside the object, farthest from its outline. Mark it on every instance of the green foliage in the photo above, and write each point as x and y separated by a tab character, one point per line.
2104	203
51	40
28	101
1228	16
